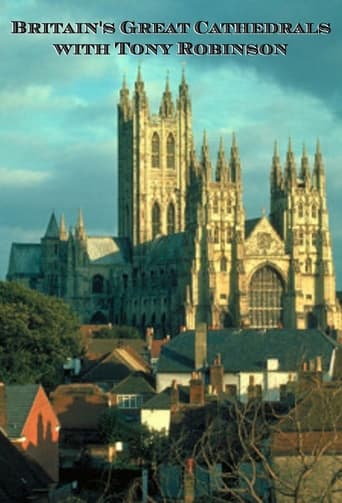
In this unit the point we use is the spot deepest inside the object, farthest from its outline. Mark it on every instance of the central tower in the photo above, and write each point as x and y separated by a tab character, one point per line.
154	158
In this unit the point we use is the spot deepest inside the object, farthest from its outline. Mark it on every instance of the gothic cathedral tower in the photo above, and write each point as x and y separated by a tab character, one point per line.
154	158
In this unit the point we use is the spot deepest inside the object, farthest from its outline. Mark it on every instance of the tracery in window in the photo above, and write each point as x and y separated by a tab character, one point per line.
171	219
155	151
155	220
265	298
170	152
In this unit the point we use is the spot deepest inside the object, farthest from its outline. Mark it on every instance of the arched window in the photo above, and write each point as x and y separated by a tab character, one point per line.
266	296
300	210
98	284
171	219
155	220
216	235
155	151
223	264
314	211
229	234
215	205
170	152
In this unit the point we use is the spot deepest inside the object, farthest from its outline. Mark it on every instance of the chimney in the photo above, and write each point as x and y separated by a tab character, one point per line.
174	398
216	374
189	481
200	349
318	364
196	389
3	412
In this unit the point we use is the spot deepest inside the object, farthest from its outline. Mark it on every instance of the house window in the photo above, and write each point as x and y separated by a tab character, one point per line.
170	152
155	220
171	219
266	296
129	401
155	151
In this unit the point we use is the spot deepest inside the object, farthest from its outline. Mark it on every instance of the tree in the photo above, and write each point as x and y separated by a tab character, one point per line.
37	334
285	452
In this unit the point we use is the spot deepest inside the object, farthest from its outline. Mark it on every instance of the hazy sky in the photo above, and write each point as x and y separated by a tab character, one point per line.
58	118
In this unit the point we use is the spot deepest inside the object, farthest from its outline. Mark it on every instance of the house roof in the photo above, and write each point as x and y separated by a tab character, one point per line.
133	384
248	350
79	406
19	400
25	259
162	401
19	476
115	366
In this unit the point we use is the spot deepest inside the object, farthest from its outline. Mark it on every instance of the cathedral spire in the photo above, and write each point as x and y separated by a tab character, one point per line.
52	228
290	169
63	235
305	169
221	164
276	174
80	231
234	164
318	173
166	107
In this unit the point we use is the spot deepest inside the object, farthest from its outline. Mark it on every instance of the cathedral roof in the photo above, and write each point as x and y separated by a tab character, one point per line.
25	259
165	249
248	350
250	225
108	250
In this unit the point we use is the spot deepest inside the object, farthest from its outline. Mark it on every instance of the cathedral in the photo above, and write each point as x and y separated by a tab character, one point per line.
186	252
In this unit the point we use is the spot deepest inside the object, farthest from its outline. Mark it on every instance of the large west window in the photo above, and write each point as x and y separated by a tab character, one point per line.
266	296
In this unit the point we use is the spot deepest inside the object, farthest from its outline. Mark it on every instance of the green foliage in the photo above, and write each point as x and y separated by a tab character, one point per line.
117	332
37	334
139	442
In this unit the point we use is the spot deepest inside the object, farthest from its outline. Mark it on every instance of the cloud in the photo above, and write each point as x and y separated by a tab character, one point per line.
21	178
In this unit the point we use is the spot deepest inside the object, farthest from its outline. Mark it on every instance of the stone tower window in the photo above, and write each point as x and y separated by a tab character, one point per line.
300	210
265	296
216	235
155	151
223	264
170	152
215	205
155	220
314	211
97	284
171	219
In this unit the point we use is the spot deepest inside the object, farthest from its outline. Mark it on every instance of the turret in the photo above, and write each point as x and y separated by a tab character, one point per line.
52	230
221	164
305	169
124	105
166	106
276	174
140	94
80	232
318	175
290	168
205	159
234	164
63	235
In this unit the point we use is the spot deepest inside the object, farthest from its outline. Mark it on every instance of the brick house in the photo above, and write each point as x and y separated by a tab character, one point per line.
30	423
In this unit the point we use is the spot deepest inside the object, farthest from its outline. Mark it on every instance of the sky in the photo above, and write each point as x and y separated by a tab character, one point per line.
58	116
